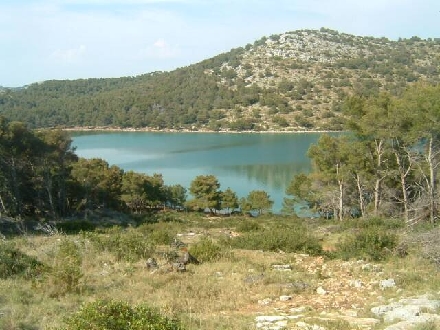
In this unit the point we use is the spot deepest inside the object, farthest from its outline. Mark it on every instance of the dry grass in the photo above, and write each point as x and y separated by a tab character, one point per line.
223	294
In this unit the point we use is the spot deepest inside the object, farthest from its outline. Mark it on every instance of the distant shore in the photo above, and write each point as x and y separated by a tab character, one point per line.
186	130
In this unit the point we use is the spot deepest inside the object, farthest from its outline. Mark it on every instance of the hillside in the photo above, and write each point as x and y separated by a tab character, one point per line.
291	81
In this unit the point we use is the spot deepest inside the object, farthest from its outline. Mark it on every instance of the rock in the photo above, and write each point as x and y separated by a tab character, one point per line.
269	318
285	298
402	313
178	267
409	312
151	263
298	309
264	302
321	291
356	283
282	267
385	284
271	322
409	324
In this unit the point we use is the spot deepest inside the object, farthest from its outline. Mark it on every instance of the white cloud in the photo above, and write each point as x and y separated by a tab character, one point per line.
69	55
160	49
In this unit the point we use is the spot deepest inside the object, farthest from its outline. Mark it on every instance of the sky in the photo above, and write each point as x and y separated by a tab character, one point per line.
54	39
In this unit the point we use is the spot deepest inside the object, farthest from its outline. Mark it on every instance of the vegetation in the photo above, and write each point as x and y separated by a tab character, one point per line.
387	166
79	232
119	315
290	81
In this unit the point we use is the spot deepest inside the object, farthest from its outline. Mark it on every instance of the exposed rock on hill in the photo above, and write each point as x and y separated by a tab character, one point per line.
291	81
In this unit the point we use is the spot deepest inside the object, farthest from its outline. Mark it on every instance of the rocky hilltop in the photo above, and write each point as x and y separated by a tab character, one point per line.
290	81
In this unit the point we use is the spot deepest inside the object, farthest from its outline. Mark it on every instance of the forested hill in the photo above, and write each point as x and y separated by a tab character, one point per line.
295	80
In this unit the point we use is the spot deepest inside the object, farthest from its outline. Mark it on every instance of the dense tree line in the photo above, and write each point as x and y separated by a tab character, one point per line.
41	176
232	90
387	165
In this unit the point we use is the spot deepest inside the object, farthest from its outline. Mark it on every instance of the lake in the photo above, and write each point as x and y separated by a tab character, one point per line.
241	161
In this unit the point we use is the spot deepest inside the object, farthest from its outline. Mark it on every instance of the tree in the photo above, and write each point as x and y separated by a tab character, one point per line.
301	192
205	189
175	195
55	168
133	191
257	200
229	200
100	184
19	152
423	102
330	159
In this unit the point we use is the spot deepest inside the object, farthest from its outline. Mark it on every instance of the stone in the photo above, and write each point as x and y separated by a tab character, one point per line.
320	290
285	298
264	302
388	283
269	318
286	267
151	263
356	283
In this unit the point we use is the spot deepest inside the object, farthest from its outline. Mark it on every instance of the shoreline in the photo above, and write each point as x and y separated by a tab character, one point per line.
185	130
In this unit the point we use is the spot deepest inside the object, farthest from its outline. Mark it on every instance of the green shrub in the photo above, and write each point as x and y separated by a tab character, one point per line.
125	244
66	272
206	250
275	239
75	226
374	223
159	233
14	262
114	315
247	226
372	243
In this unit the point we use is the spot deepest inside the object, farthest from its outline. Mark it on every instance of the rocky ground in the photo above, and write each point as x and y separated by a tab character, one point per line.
342	300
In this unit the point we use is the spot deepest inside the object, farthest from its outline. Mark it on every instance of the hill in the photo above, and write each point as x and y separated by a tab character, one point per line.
291	81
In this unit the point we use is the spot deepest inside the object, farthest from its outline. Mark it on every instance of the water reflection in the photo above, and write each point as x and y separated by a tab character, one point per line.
243	162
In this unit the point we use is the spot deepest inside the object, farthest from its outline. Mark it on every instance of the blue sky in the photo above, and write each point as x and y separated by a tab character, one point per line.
54	39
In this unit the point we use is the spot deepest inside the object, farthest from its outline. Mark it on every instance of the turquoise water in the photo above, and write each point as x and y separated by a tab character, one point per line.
243	162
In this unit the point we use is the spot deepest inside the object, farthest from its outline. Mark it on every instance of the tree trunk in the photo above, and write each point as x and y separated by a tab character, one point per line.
431	183
379	178
403	172
341	200
361	194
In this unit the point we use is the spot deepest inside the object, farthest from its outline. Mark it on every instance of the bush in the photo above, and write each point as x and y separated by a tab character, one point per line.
274	239
75	226
14	262
103	315
206	250
130	245
247	226
372	243
374	223
159	233
66	271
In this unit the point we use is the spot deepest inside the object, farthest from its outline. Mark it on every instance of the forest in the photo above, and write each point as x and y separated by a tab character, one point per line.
292	81
386	165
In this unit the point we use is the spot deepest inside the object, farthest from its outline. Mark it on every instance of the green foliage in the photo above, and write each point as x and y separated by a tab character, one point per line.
116	315
205	189
75	226
247	226
257	200
371	243
161	232
66	272
295	239
13	262
126	244
206	250
229	200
